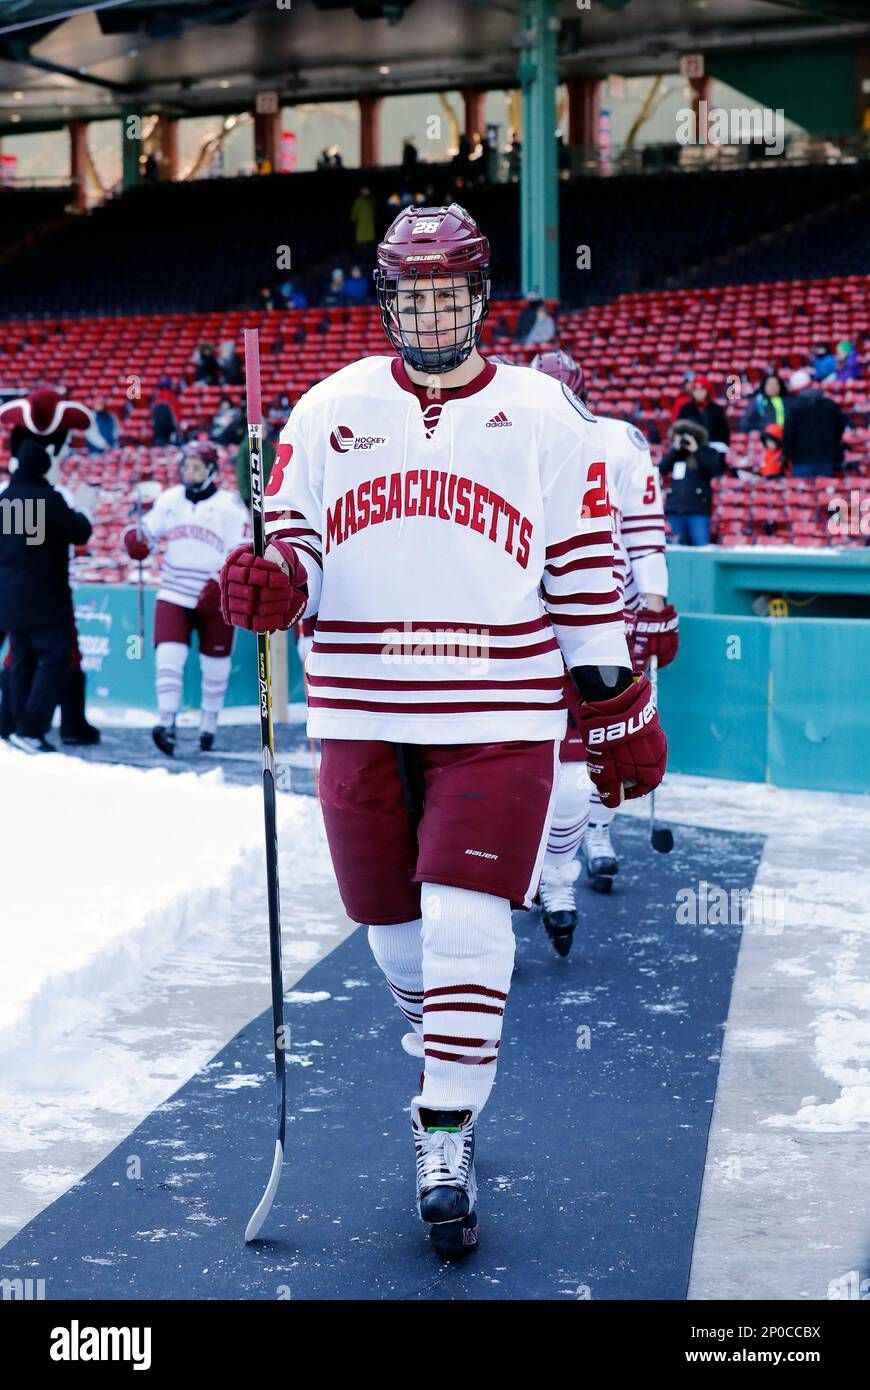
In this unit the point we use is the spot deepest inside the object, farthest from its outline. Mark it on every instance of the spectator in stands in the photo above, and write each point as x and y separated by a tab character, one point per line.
335	159
824	365
279	411
707	411
334	292
771	459
543	329
563	156
356	287
266	298
410	157
362	215
324	162
103	433
527	317
293	298
767	406
813	433
226	424
164	414
228	361
205	361
848	361
684	396
460	164
688	469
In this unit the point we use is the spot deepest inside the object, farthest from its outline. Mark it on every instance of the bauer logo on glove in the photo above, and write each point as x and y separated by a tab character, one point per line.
630	751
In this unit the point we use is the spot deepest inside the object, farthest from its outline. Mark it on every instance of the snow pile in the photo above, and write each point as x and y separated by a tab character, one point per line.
102	868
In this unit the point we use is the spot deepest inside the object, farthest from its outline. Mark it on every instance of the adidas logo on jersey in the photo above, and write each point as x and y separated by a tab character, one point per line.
497	420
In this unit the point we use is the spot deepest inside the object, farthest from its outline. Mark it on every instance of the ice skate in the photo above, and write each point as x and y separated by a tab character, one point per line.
446	1182
558	906
164	736
599	858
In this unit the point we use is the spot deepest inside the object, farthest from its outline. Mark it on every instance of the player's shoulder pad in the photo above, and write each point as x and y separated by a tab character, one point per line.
553	397
637	438
172	494
575	402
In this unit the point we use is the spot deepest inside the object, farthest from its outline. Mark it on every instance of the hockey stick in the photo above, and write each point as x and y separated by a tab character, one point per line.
141	576
267	746
660	837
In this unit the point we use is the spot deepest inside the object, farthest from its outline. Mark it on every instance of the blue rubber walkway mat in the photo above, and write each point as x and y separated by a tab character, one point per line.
590	1152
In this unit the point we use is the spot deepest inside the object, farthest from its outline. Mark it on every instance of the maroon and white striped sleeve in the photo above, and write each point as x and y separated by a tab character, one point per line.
643	523
294	502
578	585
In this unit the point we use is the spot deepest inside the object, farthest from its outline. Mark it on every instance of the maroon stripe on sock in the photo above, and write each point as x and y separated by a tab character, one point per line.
463	1061
464	989
462	1008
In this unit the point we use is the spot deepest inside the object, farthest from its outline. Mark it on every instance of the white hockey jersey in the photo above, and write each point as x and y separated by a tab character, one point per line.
636	507
199	537
456	549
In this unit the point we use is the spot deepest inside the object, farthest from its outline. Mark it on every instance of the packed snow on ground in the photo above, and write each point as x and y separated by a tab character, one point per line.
133	946
102	868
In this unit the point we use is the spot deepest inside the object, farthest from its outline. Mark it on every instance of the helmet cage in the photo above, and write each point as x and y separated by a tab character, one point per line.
406	321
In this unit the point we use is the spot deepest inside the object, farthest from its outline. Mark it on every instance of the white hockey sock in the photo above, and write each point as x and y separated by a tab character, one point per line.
170	661
468	959
599	814
571	814
398	950
215	679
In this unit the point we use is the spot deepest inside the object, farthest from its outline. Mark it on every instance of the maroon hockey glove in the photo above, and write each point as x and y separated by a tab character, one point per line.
653	634
257	594
209	600
625	745
135	544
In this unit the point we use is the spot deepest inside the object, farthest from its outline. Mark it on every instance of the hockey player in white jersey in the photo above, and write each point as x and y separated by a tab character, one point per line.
581	818
419	504
200	523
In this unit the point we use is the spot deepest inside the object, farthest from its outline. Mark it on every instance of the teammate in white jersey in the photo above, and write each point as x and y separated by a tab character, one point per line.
448	522
581	818
200	524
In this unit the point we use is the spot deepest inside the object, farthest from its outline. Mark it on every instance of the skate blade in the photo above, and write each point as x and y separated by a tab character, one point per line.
453	1239
562	942
600	883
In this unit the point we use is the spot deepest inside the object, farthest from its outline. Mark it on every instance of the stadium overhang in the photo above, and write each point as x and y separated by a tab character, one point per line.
67	58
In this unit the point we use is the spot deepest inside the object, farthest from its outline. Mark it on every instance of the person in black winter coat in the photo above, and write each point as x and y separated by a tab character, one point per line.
37	527
812	439
707	412
689	467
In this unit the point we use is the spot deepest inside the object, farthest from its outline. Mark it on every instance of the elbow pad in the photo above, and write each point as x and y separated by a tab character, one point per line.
596	683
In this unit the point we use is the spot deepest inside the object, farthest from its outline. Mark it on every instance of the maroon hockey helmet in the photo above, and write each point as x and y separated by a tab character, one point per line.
561	365
432	282
206	453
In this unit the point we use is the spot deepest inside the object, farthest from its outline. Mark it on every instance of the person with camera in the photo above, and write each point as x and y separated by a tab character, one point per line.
688	469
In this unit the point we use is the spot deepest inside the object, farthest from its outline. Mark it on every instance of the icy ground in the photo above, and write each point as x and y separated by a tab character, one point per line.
133	946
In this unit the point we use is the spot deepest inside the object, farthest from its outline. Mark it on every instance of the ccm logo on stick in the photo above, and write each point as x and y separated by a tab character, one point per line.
622	728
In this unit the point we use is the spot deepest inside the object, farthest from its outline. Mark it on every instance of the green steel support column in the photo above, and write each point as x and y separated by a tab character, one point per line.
131	147
539	187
